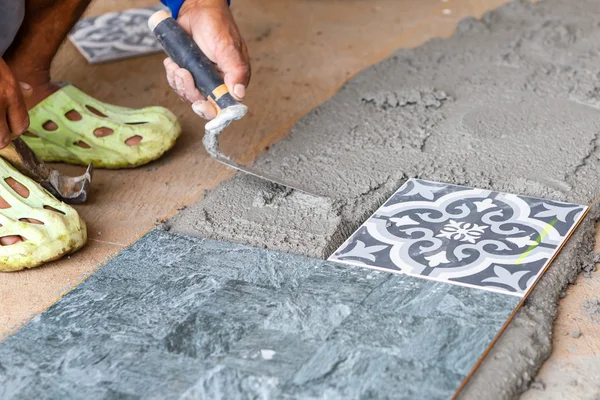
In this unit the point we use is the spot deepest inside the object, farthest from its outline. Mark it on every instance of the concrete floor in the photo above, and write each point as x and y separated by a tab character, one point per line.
326	53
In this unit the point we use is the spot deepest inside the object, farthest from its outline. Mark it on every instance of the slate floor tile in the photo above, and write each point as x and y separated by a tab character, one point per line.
116	35
271	353
229	261
473	237
432	299
343	371
175	317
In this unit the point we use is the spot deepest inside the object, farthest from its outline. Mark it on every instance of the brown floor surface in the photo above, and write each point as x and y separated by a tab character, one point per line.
302	51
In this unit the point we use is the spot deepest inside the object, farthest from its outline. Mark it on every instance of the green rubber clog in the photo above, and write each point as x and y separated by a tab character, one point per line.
70	126
56	229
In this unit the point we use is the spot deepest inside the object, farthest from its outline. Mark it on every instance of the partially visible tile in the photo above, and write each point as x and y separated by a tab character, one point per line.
473	237
116	35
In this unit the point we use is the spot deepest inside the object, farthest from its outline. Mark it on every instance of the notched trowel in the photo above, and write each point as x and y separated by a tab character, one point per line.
182	49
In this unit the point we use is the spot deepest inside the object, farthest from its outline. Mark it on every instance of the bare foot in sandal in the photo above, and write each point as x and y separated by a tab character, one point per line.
34	227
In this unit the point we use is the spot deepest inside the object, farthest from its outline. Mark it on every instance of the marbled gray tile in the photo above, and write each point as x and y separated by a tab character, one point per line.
175	317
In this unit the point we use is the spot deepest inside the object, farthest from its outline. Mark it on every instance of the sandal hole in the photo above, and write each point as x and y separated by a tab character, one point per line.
137	123
73	115
134	140
53	209
82	144
103	131
19	188
31	221
50	126
95	111
4	204
11	240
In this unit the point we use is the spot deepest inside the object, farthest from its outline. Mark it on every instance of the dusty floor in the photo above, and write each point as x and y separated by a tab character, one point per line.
336	50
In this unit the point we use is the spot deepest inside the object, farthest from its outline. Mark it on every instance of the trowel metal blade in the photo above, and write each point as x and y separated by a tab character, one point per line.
211	143
222	158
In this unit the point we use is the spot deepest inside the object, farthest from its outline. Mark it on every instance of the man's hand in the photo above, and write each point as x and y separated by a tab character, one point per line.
14	118
212	27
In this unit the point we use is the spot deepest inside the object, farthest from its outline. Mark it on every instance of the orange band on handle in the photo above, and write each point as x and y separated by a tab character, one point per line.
220	91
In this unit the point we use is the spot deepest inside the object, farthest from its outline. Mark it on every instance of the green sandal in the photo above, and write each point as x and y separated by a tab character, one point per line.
49	228
70	126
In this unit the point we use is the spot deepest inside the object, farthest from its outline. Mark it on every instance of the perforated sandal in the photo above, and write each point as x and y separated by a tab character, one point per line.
48	229
70	126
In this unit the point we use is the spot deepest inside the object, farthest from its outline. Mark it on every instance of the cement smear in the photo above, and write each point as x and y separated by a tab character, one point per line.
592	308
510	103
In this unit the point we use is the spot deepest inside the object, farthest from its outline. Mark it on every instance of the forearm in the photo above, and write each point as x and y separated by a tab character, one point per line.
175	5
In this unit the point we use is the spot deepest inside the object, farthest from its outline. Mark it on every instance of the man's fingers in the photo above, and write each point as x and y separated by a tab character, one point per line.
186	87
171	68
17	117
204	109
4	131
235	64
182	82
26	90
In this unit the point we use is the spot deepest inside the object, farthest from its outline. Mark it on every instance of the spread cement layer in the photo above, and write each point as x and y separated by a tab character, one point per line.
511	103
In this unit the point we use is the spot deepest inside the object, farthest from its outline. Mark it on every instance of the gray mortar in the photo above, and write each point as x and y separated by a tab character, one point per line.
511	102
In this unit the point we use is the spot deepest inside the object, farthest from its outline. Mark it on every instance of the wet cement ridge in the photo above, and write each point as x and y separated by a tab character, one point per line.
511	103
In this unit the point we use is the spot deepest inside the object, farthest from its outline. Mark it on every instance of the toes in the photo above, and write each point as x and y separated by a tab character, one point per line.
10	240
32	221
18	187
132	141
50	126
103	132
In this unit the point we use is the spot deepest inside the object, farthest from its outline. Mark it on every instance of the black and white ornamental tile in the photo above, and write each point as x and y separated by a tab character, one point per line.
116	35
472	237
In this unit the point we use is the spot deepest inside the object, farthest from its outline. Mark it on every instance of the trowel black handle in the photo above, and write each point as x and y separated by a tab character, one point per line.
182	49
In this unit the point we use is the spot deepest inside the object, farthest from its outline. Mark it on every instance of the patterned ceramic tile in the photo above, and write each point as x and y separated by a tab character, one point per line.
116	35
473	237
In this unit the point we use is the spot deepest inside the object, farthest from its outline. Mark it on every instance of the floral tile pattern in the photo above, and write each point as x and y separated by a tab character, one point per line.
116	35
473	237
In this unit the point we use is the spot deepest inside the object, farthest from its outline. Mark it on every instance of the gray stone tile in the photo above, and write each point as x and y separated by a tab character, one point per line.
175	317
271	353
341	371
